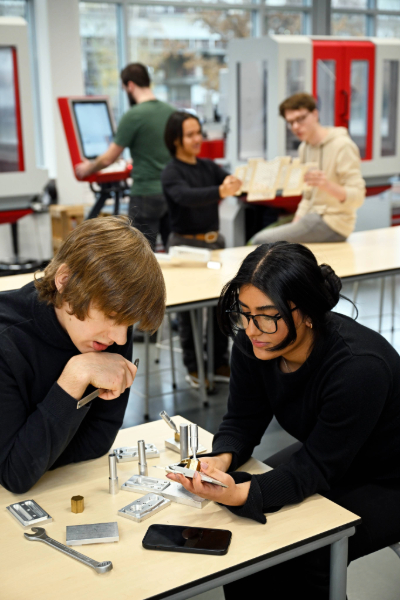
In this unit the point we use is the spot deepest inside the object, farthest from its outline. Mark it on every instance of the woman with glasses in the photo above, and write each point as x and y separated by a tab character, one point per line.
331	383
336	189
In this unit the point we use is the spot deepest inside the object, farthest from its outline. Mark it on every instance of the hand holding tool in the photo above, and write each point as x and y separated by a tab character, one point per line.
40	535
94	394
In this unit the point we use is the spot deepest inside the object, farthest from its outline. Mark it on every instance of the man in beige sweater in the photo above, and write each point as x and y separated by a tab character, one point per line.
326	213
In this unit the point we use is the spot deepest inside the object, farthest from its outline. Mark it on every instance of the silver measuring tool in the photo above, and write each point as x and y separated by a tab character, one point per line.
94	394
40	535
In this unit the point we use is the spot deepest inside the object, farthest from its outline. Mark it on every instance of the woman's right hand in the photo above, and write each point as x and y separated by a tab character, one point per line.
222	462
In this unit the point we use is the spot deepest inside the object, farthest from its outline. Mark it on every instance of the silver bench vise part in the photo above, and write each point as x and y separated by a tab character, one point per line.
140	484
174	443
131	453
144	507
113	487
29	513
40	535
142	458
168	489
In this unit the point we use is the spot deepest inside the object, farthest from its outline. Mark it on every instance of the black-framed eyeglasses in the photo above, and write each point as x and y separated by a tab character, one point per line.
264	323
298	121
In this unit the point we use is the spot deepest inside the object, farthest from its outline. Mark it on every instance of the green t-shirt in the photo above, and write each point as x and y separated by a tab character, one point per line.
141	129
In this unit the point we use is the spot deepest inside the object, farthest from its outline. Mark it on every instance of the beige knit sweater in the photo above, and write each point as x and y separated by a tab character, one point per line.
338	156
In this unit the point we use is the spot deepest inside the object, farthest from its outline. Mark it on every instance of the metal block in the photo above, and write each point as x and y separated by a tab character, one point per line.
140	484
182	470
97	533
130	453
144	507
172	444
177	493
29	513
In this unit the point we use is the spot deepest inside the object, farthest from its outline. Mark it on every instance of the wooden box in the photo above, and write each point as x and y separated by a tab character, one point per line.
64	219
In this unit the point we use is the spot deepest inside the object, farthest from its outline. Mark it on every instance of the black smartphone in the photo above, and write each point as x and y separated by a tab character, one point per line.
196	540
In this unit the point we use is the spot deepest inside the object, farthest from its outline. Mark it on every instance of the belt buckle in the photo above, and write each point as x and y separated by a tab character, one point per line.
211	237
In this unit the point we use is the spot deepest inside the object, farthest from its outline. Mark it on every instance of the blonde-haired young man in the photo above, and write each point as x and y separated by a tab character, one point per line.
327	213
65	334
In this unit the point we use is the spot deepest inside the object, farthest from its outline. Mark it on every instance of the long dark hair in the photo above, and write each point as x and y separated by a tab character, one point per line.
285	272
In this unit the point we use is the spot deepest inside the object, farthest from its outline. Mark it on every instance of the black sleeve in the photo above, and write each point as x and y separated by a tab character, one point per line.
179	191
55	433
249	412
351	404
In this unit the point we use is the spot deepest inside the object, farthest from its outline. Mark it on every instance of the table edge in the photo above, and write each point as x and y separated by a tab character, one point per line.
218	574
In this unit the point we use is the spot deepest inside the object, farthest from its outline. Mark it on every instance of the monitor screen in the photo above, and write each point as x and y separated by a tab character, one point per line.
94	126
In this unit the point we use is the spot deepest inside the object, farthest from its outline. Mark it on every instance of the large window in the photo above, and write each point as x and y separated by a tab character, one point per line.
185	49
98	28
365	18
13	8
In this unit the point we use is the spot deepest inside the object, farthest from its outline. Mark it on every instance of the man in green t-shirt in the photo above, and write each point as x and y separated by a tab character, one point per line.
141	129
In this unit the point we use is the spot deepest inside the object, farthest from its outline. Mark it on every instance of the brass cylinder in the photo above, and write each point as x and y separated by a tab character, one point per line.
77	504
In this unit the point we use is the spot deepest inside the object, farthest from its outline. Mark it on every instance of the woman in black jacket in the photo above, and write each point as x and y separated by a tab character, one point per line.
331	383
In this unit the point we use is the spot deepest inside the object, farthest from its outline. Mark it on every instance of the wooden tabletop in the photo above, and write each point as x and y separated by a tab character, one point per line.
39	572
365	252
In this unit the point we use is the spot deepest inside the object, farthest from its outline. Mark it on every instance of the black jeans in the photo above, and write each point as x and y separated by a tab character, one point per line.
377	503
184	324
150	215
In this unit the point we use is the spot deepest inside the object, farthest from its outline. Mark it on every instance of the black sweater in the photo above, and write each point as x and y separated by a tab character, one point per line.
192	193
40	426
343	404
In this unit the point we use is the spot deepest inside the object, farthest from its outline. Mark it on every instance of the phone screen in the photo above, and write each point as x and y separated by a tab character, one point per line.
187	539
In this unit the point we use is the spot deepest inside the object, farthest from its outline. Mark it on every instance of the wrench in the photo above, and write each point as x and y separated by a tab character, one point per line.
40	535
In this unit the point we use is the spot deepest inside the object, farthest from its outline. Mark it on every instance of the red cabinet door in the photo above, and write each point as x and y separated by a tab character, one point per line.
343	79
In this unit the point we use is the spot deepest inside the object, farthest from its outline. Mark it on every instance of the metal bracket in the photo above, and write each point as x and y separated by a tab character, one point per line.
144	507
140	483
130	453
29	513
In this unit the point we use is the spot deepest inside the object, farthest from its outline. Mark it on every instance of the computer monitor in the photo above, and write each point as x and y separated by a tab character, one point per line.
94	125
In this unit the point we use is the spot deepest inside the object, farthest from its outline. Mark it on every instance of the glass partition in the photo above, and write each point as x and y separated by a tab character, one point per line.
295	82
252	109
359	104
390	103
9	145
326	84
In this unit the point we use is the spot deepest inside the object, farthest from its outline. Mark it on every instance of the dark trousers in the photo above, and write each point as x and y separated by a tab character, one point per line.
184	324
150	215
378	504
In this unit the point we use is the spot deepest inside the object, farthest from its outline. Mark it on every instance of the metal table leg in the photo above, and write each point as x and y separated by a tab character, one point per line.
146	373
210	348
171	351
338	570
381	301
198	345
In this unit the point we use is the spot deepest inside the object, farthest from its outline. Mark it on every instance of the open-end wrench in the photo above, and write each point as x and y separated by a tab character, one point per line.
40	535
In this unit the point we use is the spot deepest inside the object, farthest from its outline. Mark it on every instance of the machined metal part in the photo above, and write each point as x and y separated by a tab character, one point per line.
130	453
113	486
144	507
29	513
184	440
191	463
177	469
172	444
77	504
96	533
142	458
40	535
139	484
177	493
194	439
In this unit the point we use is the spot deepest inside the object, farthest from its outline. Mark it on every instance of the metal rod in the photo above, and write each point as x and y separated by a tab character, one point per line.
113	486
184	441
142	458
146	373
194	439
381	301
338	570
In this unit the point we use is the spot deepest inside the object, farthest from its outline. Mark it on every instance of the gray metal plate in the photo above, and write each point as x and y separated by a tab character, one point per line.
144	507
29	513
96	533
142	483
131	453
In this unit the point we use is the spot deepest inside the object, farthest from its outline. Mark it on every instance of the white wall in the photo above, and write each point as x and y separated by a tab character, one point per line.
60	74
